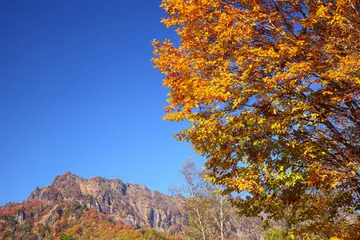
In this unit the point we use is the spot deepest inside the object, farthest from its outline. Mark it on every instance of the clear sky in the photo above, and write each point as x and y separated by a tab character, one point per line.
79	93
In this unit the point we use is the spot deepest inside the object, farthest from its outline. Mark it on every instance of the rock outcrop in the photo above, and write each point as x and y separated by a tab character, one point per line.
130	203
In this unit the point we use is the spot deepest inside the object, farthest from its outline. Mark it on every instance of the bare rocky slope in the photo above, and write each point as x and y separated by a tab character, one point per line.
130	203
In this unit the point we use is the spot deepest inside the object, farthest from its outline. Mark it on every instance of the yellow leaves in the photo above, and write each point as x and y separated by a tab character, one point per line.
257	142
278	128
175	116
236	102
297	68
339	20
314	115
334	184
322	12
244	184
208	177
327	93
275	126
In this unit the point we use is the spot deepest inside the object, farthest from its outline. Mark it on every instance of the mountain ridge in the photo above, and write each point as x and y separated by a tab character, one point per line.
130	203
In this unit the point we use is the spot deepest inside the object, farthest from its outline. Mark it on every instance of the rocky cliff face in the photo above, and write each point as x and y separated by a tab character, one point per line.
130	203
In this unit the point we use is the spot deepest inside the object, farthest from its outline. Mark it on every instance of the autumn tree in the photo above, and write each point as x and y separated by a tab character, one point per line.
271	91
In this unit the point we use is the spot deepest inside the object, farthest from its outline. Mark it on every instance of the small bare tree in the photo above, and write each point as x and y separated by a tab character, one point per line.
206	209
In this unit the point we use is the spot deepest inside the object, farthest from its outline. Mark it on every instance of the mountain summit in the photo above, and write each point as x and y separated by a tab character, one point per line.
130	203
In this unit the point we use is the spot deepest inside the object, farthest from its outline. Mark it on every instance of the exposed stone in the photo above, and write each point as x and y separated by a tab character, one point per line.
20	216
131	203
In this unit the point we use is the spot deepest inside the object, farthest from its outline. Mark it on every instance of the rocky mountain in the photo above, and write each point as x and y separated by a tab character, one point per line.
99	208
131	204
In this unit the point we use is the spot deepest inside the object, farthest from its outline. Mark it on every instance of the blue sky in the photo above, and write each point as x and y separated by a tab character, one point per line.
79	93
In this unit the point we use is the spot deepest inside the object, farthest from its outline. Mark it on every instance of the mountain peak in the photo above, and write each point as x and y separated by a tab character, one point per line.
68	174
62	180
98	179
